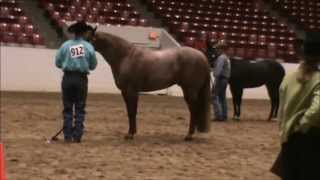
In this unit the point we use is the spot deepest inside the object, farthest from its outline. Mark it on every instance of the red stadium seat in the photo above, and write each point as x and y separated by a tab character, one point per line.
101	19
262	51
251	51
29	29
135	14
133	21
16	28
72	10
60	8
23	20
23	39
77	3
192	33
215	27
125	14
37	39
291	54
90	18
9	38
223	35
240	49
184	25
4	27
262	39
56	15
212	35
195	26
122	21
230	51
281	49
186	18
87	4
112	20
97	4
67	16
173	26
83	10
272	51
61	22
234	37
4	11
79	17
50	7
143	22
94	11
189	41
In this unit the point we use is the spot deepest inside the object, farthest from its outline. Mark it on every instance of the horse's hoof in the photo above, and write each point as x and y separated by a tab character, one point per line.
272	119
236	118
188	138
128	137
55	139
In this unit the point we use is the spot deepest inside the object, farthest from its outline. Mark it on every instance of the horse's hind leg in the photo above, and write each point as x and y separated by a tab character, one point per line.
276	103
131	100
274	97
191	99
236	98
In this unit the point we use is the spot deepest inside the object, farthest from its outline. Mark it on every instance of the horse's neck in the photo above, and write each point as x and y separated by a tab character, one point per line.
115	55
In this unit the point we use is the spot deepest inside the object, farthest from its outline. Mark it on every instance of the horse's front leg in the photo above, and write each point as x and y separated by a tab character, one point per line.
131	100
274	97
236	113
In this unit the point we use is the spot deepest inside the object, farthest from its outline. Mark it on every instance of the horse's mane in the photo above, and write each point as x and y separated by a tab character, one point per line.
119	46
112	38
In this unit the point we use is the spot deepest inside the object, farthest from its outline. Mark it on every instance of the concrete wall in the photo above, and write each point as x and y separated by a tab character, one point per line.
31	69
167	41
137	35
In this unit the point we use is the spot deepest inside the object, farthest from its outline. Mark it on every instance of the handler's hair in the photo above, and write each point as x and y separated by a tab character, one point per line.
311	61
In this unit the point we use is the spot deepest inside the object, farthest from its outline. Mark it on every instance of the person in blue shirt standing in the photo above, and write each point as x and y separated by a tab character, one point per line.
221	73
76	57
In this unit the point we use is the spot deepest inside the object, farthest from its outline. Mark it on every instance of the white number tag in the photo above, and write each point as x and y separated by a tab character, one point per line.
77	51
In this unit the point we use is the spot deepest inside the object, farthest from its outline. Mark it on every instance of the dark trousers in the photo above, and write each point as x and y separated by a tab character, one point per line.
74	95
301	156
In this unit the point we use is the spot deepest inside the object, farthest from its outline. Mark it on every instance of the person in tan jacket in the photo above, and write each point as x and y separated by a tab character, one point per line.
299	116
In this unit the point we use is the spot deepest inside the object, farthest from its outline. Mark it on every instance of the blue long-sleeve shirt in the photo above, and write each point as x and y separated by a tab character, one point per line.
76	55
222	67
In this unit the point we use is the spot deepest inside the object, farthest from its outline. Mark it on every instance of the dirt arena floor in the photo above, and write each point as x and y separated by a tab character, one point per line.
231	151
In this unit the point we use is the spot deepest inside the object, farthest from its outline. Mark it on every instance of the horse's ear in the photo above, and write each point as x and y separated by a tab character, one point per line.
92	37
94	30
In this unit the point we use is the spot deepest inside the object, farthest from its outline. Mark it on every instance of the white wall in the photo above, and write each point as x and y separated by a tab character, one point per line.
31	69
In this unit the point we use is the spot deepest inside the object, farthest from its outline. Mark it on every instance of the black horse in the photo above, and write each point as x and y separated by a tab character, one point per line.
250	74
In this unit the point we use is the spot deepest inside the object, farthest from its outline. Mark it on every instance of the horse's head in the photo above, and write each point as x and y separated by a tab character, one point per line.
90	34
103	41
100	40
110	46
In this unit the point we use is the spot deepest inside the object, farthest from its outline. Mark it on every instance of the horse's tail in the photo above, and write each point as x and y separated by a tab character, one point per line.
278	71
203	107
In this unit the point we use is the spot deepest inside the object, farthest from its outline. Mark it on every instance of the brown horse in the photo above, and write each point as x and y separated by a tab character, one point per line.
138	69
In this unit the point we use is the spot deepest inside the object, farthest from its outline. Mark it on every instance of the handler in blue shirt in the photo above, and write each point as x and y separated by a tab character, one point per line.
76	57
221	73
